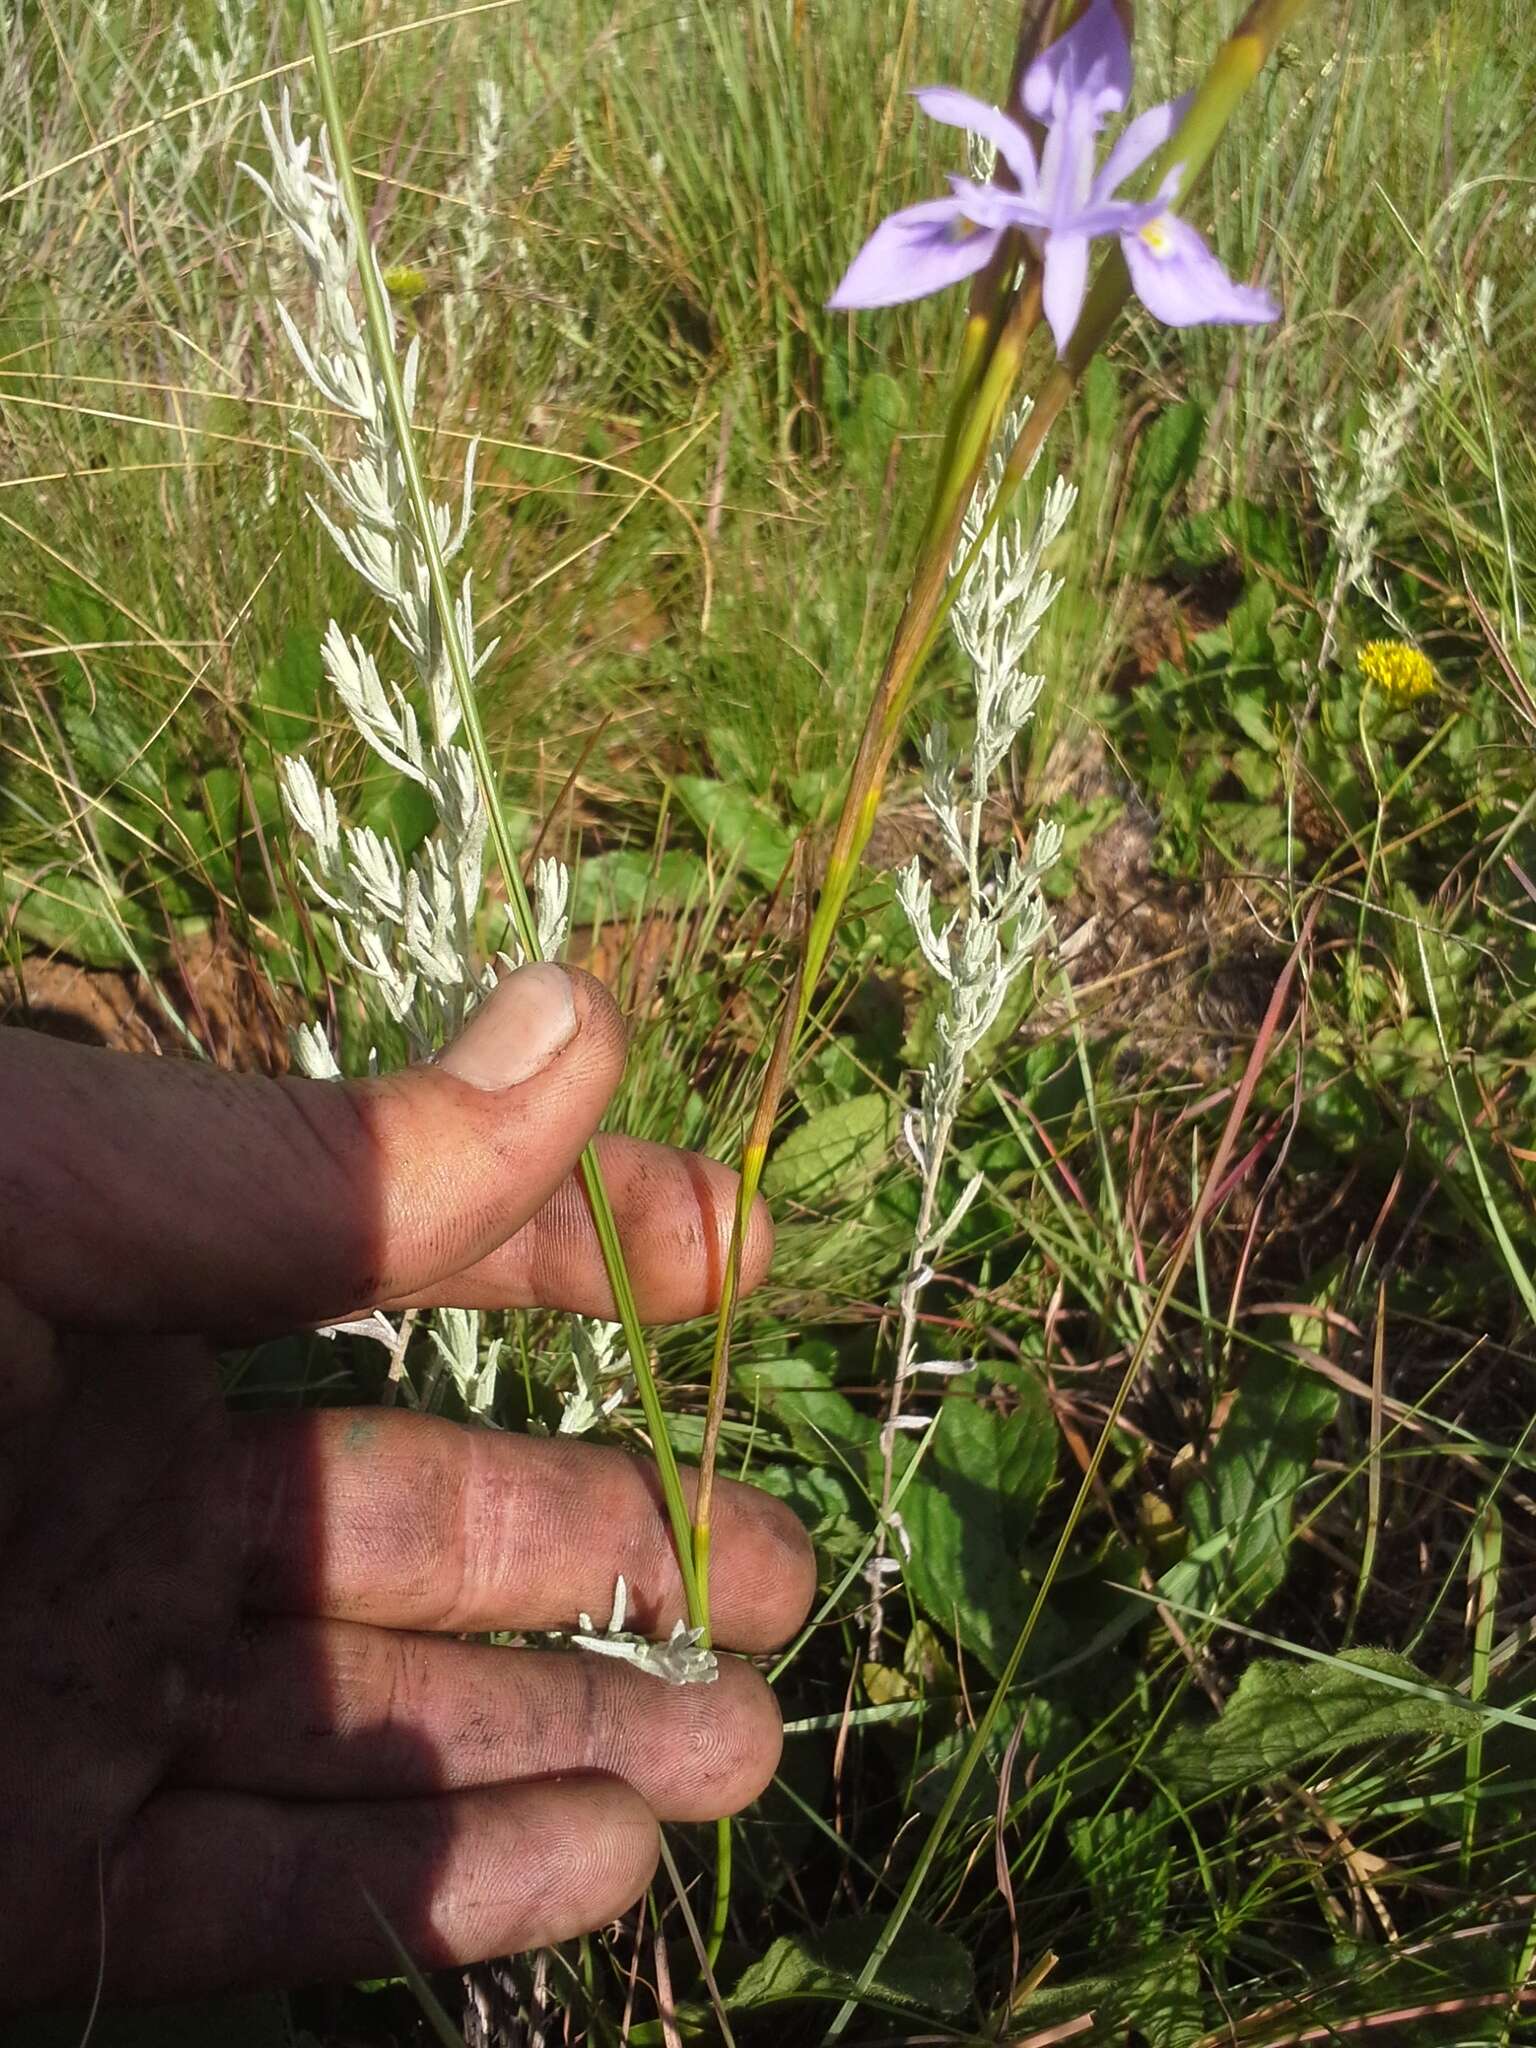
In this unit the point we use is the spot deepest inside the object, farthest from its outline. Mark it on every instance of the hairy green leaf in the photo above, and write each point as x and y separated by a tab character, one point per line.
927	1970
1240	1514
833	1152
1285	1717
970	1510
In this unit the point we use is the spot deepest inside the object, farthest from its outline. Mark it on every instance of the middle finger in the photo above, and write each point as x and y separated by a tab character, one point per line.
407	1521
332	1710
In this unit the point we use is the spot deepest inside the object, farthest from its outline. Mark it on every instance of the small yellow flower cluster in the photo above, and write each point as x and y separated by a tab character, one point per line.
1399	671
405	282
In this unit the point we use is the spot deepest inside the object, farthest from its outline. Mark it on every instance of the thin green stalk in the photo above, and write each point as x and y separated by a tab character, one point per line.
921	621
1482	1612
1514	1265
1384	800
381	336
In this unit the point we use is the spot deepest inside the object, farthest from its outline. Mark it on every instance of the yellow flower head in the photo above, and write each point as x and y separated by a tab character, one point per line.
1399	671
405	282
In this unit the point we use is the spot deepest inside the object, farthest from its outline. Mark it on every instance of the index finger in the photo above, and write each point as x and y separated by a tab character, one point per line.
407	1521
155	1194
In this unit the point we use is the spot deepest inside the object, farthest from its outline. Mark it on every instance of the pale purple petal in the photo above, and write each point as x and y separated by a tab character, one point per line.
1092	61
920	250
1066	165
960	110
1064	285
1114	216
1136	142
1180	281
989	206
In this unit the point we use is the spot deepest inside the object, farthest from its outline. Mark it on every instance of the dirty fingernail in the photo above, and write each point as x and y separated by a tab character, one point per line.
517	1030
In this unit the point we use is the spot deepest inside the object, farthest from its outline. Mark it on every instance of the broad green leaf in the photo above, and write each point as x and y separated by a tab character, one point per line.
820	1496
1166	458
287	693
799	1393
1283	1718
1169	451
969	1513
1248	622
832	1153
62	912
627	882
738	826
110	751
1197	542
1155	1999
1250	711
1239	1514
1271	539
926	1971
398	809
1126	1859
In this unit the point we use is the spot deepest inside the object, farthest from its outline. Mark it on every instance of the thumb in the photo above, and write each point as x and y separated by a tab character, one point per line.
149	1194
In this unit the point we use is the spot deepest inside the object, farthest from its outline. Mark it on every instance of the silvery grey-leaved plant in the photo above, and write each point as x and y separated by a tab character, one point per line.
995	925
1353	486
603	1380
407	927
212	70
679	1661
470	213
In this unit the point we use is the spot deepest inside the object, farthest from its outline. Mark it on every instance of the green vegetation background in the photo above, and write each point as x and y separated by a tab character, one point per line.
1269	1775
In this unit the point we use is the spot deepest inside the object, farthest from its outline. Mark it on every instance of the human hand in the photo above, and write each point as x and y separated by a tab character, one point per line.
232	1704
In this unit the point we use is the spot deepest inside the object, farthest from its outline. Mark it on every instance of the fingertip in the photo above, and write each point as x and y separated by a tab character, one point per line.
702	1752
220	1891
769	1567
462	1150
756	1736
797	1573
597	1844
601	1021
542	1023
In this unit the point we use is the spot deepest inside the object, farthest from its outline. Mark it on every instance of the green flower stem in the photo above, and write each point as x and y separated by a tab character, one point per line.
920	621
381	335
990	373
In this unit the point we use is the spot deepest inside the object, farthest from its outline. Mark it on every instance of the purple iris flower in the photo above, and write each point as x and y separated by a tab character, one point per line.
1063	202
